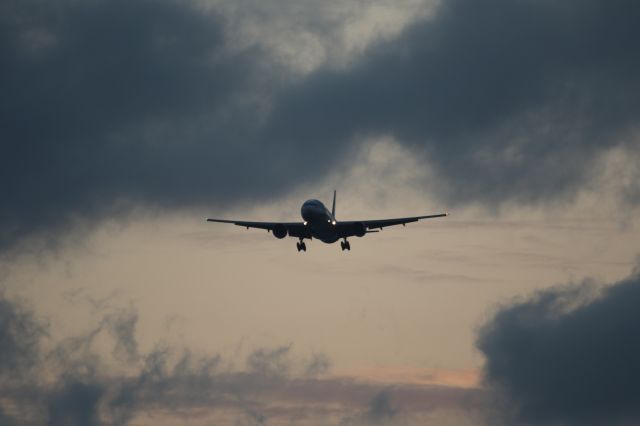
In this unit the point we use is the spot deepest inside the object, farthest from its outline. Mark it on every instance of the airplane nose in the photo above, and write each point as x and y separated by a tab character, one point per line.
305	211
308	212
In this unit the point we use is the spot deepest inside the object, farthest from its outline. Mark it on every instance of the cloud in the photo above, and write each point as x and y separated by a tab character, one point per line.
75	403
20	336
567	356
120	103
317	365
381	409
272	362
508	101
305	34
112	105
78	381
379	412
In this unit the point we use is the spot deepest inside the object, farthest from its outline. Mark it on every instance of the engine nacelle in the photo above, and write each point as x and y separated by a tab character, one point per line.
280	231
359	229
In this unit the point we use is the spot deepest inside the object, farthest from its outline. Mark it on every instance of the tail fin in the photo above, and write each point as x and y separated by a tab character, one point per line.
333	209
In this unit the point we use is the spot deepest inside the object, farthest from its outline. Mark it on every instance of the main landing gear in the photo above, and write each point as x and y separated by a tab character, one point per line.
345	245
301	246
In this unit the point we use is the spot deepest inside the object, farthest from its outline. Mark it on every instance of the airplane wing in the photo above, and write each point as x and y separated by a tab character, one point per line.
294	229
359	227
383	223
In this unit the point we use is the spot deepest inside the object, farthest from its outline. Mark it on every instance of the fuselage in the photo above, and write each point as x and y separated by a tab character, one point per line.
320	221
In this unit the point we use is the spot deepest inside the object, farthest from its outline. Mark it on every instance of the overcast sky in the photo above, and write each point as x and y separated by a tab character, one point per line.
125	123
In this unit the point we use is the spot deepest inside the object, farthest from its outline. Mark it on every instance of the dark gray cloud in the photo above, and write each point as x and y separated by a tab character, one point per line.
112	104
20	336
108	104
381	409
507	100
317	365
379	412
271	362
561	359
75	403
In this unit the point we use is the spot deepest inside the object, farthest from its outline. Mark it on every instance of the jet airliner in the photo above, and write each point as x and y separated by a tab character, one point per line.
320	223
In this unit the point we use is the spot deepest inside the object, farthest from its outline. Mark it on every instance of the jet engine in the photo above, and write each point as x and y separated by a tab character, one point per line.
279	231
359	229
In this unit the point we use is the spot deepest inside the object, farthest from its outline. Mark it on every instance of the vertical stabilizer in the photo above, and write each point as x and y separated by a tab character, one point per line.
333	208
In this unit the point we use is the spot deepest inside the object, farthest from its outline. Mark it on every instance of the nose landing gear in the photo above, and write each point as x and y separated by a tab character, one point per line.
301	246
345	245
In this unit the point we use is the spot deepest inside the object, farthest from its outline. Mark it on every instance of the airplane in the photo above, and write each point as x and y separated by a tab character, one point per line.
320	223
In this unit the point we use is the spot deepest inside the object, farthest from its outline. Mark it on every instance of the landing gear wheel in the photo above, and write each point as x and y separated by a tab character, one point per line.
342	245
347	245
303	246
298	246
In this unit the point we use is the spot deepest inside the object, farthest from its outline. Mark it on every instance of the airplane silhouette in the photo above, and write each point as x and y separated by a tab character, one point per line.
320	223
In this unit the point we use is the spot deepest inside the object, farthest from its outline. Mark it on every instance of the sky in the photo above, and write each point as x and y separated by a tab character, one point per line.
124	124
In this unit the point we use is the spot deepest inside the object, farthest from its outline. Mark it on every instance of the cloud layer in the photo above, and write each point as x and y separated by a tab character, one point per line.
507	100
77	382
110	105
561	359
